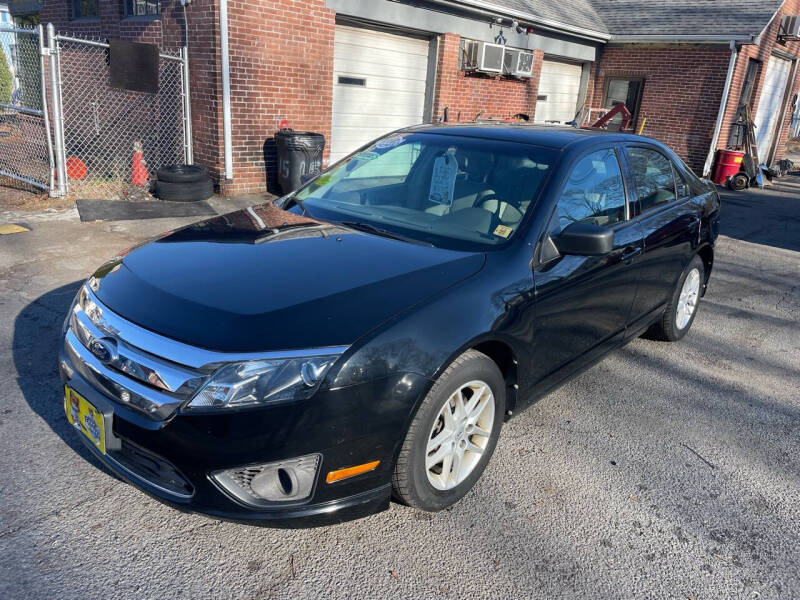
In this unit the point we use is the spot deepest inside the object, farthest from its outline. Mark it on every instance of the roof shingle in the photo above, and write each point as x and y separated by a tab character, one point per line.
654	17
578	13
686	17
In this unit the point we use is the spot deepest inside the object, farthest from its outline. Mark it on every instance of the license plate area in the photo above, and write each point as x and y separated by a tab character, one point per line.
85	417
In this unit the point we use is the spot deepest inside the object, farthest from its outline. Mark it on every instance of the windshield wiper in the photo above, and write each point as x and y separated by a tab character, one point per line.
369	228
286	200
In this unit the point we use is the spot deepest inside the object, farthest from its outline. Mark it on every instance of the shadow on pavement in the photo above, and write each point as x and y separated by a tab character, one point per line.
37	335
770	216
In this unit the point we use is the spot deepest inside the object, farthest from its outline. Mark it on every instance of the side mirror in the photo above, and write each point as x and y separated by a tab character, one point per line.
306	177
585	239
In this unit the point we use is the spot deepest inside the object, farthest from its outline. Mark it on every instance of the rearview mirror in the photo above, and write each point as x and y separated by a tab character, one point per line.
585	239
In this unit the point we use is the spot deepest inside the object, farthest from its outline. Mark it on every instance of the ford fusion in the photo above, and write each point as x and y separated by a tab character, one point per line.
304	361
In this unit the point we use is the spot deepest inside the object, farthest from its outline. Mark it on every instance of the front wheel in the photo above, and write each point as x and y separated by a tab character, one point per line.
682	308
453	434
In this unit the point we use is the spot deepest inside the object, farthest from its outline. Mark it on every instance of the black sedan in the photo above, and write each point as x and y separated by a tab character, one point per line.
304	361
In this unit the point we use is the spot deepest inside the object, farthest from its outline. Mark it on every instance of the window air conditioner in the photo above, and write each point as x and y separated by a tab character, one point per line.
518	63
483	56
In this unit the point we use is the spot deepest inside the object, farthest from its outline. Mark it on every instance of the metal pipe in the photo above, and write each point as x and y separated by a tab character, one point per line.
21	109
85	42
23	178
55	103
723	105
66	38
45	116
226	88
685	39
188	144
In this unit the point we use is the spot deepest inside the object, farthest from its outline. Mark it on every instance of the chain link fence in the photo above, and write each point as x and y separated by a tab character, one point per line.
25	150
65	128
115	139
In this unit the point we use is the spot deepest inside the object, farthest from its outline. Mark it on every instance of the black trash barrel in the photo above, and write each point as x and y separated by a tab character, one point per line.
299	153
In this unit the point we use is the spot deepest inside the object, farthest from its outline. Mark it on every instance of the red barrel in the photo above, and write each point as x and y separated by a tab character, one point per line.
729	163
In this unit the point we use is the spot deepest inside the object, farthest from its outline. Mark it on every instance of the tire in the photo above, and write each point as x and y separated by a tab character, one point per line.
182	173
739	182
434	489
184	192
675	322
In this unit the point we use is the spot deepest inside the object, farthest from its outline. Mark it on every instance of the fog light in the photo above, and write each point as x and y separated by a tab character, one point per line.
271	483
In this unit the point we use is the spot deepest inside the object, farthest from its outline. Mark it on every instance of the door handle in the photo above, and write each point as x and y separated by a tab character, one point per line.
631	252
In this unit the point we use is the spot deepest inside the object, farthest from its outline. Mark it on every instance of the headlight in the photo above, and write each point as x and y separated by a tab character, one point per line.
261	382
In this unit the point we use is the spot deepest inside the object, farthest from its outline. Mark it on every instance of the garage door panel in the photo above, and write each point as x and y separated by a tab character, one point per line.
386	121
394	69
560	86
372	40
773	92
380	57
382	84
346	66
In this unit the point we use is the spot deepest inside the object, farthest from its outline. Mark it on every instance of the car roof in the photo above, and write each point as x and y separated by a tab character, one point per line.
550	136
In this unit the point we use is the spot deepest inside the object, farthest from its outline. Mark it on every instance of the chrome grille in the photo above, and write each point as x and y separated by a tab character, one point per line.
97	347
149	372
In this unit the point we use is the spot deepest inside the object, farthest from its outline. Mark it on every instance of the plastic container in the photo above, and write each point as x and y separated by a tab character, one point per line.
299	154
729	163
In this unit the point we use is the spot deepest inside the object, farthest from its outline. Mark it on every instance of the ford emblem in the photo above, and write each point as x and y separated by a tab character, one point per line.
103	350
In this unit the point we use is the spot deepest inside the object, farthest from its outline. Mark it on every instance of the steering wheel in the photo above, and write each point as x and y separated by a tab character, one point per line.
497	209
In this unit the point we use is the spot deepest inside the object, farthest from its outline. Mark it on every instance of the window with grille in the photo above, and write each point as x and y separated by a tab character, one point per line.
85	9
142	8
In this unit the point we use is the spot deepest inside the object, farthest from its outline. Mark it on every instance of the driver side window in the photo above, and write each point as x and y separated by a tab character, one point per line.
594	193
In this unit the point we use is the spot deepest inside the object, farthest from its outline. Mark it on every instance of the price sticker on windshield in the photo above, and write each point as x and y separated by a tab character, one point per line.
443	179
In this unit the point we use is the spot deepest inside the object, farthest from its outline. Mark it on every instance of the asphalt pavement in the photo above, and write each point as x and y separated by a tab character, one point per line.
666	471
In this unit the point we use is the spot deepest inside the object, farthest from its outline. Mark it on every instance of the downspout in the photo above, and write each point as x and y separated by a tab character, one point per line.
226	88
722	106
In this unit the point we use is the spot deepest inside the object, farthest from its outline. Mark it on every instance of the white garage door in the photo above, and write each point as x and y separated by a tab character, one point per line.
770	103
559	88
378	86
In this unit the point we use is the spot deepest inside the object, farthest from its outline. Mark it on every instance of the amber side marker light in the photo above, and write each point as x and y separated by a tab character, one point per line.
340	474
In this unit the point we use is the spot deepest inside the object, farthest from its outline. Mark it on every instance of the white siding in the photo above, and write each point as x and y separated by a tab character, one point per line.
394	69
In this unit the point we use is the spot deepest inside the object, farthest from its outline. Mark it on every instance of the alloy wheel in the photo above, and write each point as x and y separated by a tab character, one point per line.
687	302
460	435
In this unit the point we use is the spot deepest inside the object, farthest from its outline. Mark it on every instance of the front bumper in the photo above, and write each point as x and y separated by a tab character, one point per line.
172	459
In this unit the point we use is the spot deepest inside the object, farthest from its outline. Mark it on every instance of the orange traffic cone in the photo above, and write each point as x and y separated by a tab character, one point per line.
139	174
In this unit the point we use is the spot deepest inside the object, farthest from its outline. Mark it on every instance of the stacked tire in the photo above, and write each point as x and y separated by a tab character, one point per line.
183	183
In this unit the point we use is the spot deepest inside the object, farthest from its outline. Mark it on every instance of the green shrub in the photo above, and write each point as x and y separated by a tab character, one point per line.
29	70
5	78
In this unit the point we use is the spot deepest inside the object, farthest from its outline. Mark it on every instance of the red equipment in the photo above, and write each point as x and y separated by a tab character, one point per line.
618	109
139	175
729	163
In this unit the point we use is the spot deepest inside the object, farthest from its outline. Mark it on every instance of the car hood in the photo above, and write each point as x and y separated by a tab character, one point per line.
263	279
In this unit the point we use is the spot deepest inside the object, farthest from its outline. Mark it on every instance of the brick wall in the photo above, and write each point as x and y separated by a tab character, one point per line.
769	43
112	23
682	91
281	57
472	93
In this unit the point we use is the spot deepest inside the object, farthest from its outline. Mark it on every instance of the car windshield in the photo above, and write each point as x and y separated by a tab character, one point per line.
450	191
